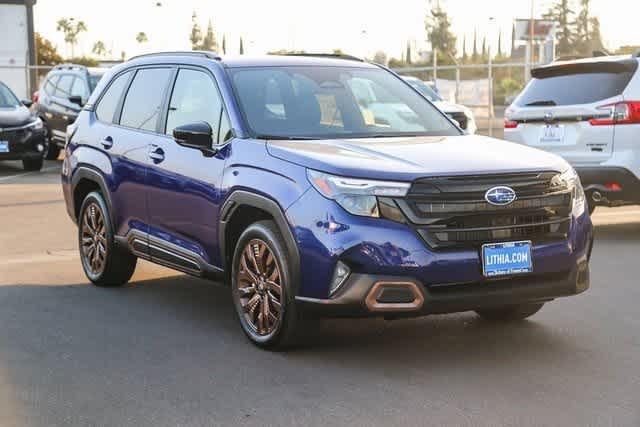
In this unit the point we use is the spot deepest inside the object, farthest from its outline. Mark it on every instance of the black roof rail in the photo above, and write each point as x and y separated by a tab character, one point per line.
326	55
202	53
70	66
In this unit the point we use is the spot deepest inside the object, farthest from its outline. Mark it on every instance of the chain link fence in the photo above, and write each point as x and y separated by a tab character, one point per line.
487	89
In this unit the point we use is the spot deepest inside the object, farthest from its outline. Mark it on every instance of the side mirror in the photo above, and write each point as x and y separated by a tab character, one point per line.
196	135
76	99
27	103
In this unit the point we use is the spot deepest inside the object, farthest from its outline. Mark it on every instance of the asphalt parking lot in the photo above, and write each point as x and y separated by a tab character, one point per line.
166	350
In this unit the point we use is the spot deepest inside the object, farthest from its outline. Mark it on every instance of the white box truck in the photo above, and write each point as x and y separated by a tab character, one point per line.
17	45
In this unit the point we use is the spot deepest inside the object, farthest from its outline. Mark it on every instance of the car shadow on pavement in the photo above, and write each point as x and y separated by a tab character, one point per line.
159	318
11	171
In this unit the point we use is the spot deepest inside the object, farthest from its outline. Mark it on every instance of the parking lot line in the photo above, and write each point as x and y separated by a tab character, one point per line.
6	178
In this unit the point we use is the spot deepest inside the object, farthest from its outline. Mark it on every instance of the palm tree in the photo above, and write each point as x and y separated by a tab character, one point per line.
99	48
141	37
71	29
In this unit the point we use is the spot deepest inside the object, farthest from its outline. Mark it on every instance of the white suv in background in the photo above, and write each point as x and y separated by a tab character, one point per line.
461	114
587	111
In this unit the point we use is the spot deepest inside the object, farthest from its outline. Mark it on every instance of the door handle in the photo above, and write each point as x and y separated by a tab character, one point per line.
156	154
107	142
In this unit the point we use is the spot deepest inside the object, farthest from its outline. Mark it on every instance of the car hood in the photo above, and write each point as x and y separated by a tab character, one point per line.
409	158
17	116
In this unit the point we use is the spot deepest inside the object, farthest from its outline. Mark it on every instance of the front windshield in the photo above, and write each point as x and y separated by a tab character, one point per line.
425	89
7	98
333	102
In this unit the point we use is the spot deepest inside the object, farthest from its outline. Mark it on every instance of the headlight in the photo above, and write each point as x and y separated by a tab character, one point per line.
356	196
36	124
571	179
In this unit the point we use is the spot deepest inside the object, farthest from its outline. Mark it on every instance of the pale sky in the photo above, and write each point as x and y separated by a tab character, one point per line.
358	27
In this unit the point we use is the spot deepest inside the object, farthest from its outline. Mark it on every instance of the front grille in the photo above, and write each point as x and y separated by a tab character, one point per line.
452	212
461	118
14	135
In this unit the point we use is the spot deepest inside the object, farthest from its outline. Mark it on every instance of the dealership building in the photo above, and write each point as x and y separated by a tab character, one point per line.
17	49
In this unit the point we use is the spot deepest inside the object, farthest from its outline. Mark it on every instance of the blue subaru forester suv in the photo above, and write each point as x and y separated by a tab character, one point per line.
316	186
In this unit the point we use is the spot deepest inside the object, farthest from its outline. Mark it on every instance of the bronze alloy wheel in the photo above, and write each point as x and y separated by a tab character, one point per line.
259	283
94	239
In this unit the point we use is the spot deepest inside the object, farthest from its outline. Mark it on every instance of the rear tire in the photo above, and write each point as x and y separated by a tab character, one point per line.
511	313
261	288
32	164
104	263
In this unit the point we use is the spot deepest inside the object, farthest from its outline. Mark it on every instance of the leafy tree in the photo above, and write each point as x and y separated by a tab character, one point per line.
561	13
209	41
83	60
474	54
71	28
464	48
196	33
484	47
499	44
46	52
380	57
141	37
241	47
438	27
587	31
408	53
224	44
99	48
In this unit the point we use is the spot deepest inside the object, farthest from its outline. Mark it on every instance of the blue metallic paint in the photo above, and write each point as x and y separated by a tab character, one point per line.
180	200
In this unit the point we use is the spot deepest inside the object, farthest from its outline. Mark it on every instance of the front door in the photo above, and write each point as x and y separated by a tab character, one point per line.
184	196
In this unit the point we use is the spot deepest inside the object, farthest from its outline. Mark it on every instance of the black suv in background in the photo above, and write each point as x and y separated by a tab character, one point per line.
59	101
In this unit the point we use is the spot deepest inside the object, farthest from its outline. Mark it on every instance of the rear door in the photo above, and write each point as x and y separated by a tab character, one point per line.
61	108
556	108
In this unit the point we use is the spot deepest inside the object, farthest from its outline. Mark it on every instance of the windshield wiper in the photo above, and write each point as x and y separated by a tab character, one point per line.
547	103
284	138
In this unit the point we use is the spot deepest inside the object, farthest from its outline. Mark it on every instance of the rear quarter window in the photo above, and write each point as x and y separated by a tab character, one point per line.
569	89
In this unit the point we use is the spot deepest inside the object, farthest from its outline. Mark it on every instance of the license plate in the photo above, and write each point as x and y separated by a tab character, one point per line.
4	146
500	259
552	134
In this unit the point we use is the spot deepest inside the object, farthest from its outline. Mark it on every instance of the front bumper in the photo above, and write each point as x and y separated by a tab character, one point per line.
448	280
599	179
363	295
27	146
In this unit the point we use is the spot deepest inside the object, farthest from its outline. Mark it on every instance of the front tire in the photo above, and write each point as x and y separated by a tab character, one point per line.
32	165
511	313
51	150
261	286
104	263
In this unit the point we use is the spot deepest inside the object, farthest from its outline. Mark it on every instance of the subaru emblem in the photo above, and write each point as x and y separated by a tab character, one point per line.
500	196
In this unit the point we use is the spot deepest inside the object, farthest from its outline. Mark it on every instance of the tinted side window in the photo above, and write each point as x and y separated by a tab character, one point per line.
79	88
225	129
63	89
195	98
143	102
107	107
50	85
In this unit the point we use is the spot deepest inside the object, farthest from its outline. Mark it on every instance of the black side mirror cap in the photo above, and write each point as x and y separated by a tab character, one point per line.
197	135
76	99
27	103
